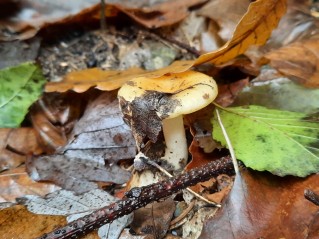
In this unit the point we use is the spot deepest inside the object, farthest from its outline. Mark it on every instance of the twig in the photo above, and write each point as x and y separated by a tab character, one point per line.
139	197
145	160
103	20
183	214
312	196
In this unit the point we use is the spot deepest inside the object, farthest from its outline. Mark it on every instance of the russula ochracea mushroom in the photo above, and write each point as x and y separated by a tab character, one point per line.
152	105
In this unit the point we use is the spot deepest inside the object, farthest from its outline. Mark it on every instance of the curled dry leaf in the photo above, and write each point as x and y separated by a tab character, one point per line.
15	144
299	61
17	183
81	81
151	15
254	28
261	205
98	142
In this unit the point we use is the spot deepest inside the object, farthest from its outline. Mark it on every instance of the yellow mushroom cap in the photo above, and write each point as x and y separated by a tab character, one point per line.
188	92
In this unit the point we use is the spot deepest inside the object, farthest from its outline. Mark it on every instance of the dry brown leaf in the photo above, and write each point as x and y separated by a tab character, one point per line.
16	183
99	140
15	144
53	117
81	81
218	9
156	15
31	15
299	61
261	205
17	222
154	218
228	93
254	28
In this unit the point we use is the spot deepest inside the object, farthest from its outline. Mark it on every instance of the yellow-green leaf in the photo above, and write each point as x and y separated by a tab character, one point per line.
282	142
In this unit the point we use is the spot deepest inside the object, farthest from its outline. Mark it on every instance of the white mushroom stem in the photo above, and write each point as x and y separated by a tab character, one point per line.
176	151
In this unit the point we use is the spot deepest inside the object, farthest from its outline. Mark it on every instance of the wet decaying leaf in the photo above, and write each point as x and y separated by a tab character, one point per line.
18	222
65	203
158	14
298	61
15	144
261	205
17	183
99	141
154	219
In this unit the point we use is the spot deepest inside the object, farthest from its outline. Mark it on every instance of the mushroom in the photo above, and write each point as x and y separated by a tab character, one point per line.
155	107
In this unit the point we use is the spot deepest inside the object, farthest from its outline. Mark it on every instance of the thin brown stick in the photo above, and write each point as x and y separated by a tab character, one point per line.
312	196
139	197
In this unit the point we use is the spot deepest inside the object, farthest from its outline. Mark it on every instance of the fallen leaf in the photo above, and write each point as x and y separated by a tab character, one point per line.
154	218
30	16
81	81
53	117
158	14
281	142
228	93
20	87
18	222
193	227
17	183
279	93
65	203
15	145
299	61
297	25
252	29
261	205
26	50
217	9
97	143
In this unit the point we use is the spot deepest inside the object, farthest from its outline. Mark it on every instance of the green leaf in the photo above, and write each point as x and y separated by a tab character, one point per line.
281	142
20	86
280	93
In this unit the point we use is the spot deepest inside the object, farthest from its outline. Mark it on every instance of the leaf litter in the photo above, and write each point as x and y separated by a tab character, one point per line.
79	138
97	143
65	203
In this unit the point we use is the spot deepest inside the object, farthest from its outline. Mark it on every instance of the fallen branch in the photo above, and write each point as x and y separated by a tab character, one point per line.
139	197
